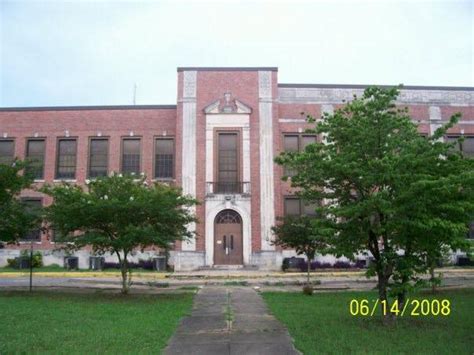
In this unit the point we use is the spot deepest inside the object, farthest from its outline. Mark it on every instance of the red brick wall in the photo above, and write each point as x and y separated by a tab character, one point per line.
83	124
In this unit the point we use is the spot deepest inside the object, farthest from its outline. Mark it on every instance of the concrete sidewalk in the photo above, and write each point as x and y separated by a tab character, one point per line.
230	321
328	281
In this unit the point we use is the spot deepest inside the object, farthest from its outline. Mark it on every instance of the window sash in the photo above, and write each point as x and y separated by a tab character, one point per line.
35	152
131	156
228	164
467	146
164	158
296	143
35	234
295	206
98	157
7	151
66	160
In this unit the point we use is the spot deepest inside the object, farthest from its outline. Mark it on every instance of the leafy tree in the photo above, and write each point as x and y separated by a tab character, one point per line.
16	219
302	233
388	189
119	214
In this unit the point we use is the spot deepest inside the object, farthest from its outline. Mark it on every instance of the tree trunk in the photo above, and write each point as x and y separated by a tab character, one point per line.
124	271
433	281
402	295
382	288
308	272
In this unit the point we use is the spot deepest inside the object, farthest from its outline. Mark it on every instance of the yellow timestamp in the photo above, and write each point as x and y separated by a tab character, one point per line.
411	307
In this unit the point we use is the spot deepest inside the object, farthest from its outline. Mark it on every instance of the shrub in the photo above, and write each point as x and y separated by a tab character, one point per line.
141	264
342	265
37	257
308	290
11	262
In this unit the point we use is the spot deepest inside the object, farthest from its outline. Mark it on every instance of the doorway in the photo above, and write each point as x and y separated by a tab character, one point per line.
228	248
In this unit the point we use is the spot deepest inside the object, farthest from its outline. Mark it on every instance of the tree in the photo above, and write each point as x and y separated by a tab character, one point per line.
388	189
119	214
303	234
16	219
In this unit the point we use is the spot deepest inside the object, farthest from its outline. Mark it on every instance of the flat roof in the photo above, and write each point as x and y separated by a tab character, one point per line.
358	86
227	68
85	108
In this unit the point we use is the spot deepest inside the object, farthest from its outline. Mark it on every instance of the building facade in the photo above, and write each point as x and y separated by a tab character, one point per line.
218	142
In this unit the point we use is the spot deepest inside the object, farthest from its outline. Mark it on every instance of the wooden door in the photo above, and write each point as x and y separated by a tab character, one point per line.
228	248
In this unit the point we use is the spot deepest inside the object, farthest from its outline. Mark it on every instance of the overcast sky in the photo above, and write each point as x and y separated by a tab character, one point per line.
92	53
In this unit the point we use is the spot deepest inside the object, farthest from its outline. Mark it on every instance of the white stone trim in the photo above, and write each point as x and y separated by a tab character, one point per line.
189	157
227	121
189	84
267	190
435	119
337	95
217	203
292	120
242	207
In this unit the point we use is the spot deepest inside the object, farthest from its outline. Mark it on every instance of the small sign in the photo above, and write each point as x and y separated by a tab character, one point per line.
219	242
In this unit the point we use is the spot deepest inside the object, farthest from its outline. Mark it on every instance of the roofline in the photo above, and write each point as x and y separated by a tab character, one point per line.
357	86
85	108
227	68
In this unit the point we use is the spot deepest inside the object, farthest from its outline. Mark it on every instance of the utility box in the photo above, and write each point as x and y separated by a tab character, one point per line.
71	262
159	263
96	262
23	262
292	263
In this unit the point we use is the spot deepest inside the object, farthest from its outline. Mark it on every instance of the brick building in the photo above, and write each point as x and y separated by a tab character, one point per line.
218	143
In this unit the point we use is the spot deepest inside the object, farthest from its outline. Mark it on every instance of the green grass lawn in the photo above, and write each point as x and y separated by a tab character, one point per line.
322	324
82	323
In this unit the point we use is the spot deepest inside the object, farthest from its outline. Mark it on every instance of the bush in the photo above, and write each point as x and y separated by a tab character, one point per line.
342	265
308	290
142	264
11	262
37	257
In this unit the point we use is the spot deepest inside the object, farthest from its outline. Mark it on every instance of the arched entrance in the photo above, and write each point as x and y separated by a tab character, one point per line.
228	249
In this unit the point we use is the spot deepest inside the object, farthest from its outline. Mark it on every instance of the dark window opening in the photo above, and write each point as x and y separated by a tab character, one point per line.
98	157
228	163
131	156
33	205
7	151
295	206
35	151
164	158
296	143
466	146
66	161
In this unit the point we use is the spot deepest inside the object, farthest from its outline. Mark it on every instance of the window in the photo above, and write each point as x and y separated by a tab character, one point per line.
66	161
467	146
296	143
131	156
295	206
35	155
98	157
227	163
32	206
7	151
164	158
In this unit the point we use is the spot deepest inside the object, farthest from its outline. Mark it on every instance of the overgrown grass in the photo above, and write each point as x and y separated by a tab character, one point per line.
88	323
322	324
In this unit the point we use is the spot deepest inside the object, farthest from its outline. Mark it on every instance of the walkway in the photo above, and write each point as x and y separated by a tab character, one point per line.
232	320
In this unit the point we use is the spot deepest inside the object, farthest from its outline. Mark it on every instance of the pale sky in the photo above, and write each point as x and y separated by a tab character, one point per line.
92	52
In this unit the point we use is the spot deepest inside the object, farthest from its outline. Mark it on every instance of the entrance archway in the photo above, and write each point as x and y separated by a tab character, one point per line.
228	248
